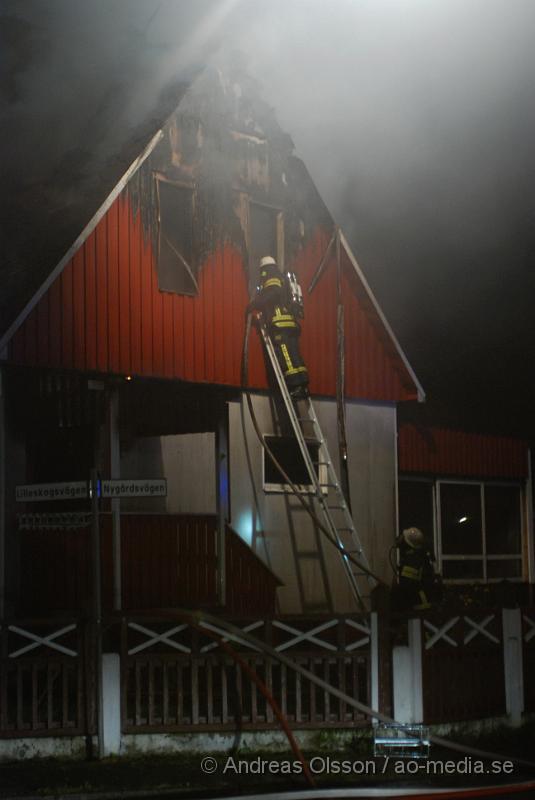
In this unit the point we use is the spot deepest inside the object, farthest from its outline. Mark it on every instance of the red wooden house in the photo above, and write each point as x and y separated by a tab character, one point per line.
129	359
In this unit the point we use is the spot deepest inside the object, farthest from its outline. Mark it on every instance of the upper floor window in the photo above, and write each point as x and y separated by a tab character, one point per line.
266	233
286	451
177	270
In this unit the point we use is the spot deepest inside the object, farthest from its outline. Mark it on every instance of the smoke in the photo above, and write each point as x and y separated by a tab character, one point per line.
416	120
79	73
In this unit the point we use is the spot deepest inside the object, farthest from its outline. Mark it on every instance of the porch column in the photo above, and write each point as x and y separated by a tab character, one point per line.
222	498
407	677
529	528
115	472
513	664
111	704
2	497
374	663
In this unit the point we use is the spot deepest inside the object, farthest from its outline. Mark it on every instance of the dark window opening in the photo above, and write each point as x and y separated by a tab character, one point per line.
416	508
502	519
481	531
286	451
460	510
263	235
480	526
463	570
57	455
177	271
504	568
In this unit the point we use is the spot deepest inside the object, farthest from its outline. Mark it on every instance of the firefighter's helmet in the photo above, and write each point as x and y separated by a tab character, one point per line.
413	537
266	260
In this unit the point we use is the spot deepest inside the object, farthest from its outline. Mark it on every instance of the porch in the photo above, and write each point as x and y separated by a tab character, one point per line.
167	561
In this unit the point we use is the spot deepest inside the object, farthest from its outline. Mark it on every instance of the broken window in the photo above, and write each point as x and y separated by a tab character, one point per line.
286	451
177	271
265	235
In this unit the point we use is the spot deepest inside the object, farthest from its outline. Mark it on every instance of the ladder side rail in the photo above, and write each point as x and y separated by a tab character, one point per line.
308	461
333	478
291	411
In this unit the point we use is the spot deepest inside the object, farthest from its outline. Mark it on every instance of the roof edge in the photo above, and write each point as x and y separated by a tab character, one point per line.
419	389
79	241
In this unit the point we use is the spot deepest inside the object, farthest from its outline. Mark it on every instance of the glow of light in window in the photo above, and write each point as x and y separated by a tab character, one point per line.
462	519
244	526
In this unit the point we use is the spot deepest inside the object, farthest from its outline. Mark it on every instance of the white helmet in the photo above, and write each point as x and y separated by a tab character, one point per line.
413	537
267	260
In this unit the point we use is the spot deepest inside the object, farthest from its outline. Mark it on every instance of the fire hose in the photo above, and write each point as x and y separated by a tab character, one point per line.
235	632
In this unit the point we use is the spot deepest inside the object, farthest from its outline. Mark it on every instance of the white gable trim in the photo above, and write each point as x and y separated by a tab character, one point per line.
360	274
87	231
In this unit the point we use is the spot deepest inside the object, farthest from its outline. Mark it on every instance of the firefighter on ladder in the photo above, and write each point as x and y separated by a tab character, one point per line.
280	301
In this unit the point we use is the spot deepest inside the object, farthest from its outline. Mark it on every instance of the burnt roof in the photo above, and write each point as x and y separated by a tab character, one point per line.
42	214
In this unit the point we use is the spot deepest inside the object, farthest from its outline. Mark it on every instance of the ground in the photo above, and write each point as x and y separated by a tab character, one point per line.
182	774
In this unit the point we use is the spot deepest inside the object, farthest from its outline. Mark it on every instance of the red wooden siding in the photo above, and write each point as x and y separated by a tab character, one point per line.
452	675
445	452
105	313
168	561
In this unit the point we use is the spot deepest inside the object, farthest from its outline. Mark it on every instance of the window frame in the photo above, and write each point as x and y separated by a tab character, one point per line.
484	557
285	488
279	230
434	501
190	268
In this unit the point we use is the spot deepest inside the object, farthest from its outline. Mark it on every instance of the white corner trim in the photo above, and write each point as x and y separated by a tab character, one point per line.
87	231
356	267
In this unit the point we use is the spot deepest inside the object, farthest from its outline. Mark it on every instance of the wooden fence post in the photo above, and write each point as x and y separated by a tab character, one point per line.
374	663
513	664
407	677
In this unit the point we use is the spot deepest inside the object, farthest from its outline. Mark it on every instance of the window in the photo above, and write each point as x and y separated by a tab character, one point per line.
176	269
286	451
416	507
461	527
477	530
480	531
503	521
265	235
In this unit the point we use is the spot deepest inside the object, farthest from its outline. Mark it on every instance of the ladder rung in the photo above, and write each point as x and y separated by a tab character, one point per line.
329	488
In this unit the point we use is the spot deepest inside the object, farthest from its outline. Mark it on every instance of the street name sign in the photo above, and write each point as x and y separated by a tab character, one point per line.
38	492
123	487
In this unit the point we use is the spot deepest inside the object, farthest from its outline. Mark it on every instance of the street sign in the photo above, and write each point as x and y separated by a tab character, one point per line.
76	490
39	492
62	520
123	487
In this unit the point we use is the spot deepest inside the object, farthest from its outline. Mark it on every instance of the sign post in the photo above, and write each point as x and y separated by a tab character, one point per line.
97	607
76	490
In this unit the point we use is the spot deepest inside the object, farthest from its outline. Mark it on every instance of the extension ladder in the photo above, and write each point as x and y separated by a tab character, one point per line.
327	493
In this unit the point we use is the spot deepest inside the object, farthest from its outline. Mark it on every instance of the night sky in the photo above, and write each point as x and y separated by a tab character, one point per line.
416	119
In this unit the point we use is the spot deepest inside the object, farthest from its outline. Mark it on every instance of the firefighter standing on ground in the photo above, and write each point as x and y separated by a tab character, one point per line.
418	585
280	312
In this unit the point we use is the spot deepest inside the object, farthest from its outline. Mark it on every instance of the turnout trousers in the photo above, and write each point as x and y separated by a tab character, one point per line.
286	344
